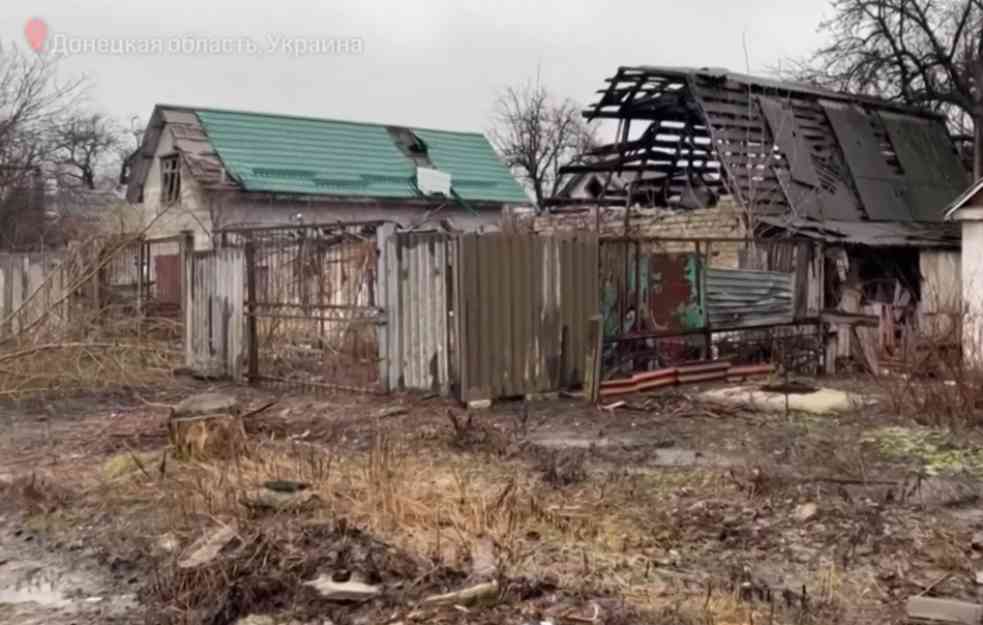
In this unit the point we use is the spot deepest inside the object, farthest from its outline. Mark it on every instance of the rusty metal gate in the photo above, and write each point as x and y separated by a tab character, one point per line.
311	305
522	306
665	303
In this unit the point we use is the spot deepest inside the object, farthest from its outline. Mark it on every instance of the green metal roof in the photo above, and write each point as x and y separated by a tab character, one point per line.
283	154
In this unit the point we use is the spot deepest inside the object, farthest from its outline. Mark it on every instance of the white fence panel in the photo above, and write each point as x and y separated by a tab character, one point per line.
217	333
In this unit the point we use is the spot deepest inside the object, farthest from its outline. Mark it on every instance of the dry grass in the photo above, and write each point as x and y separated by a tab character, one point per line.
609	532
933	384
63	339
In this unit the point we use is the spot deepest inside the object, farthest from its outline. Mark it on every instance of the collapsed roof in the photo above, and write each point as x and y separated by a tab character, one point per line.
309	156
779	148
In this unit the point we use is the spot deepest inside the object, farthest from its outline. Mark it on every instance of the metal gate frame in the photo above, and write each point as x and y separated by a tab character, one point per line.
311	305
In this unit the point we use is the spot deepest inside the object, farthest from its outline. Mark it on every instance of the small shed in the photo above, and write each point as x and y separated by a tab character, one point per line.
967	209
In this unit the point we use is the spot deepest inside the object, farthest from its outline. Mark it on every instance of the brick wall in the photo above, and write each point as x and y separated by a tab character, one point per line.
723	221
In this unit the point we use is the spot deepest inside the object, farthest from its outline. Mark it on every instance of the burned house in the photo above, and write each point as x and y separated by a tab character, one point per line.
865	179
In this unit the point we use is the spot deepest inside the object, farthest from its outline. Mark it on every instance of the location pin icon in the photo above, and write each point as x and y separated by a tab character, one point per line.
36	32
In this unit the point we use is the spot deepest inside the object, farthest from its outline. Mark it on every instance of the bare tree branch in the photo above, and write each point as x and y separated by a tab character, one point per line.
536	135
926	53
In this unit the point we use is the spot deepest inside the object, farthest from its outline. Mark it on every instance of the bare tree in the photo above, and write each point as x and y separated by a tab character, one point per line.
31	100
925	53
83	145
537	134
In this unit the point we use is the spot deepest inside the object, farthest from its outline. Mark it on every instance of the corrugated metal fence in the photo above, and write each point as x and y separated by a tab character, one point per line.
217	316
741	297
522	309
486	316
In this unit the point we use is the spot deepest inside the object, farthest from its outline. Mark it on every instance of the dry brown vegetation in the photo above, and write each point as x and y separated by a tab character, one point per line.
932	384
600	545
414	496
75	334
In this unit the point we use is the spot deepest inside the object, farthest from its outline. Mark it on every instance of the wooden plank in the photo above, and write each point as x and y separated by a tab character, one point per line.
521	336
592	362
502	251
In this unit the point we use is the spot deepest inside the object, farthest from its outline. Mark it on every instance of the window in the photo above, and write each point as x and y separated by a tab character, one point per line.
170	179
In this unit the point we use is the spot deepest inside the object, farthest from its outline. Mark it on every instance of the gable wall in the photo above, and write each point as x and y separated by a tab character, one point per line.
190	212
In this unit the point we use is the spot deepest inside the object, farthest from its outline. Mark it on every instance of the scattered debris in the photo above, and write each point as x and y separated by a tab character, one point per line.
286	486
168	543
686	374
350	590
930	609
393	411
472	595
613	406
256	619
483	563
479	404
207	548
278	500
806	512
204	404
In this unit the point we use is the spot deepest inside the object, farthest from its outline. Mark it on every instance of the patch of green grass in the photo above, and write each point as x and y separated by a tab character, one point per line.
933	449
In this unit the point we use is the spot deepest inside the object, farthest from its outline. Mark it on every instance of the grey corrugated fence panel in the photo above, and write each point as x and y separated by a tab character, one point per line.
30	285
415	297
217	333
523	305
736	298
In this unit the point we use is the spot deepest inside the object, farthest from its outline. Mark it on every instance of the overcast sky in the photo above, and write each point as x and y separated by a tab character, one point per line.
433	64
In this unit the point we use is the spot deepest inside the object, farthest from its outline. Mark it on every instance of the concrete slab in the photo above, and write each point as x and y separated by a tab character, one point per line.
657	456
823	401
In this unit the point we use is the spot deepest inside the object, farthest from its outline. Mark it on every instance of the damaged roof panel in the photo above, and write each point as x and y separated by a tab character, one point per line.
935	175
476	172
881	190
262	152
869	233
780	147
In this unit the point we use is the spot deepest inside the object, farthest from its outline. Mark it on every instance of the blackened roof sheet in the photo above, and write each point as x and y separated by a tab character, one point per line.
870	233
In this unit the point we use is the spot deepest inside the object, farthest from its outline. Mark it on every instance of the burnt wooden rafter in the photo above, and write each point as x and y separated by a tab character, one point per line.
770	143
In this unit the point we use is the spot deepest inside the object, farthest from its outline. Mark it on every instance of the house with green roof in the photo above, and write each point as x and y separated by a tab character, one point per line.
207	169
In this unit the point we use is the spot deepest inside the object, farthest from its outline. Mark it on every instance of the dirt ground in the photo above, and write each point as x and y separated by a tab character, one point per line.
666	510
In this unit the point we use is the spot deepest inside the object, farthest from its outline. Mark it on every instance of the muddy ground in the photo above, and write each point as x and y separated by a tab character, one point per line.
667	510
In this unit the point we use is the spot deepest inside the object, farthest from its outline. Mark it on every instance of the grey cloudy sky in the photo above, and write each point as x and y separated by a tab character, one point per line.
435	64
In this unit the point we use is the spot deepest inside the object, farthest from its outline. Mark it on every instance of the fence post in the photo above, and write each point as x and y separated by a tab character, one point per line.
592	364
186	246
384	300
251	334
141	294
